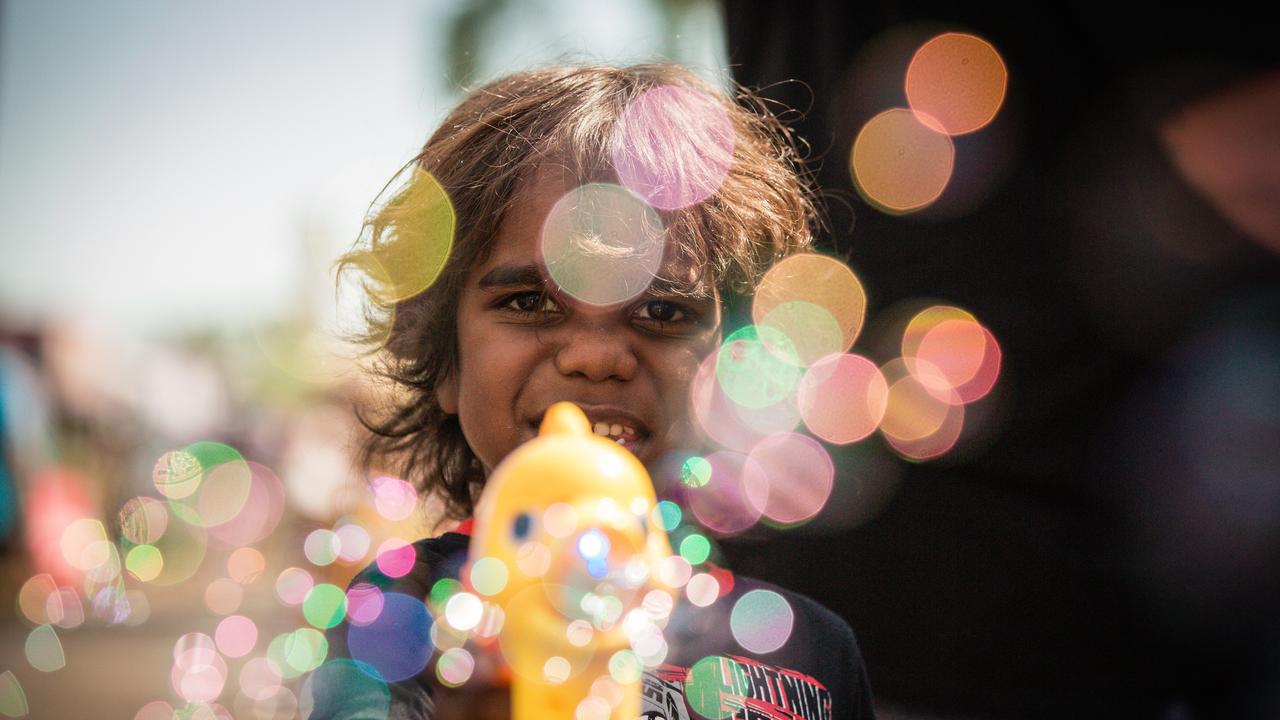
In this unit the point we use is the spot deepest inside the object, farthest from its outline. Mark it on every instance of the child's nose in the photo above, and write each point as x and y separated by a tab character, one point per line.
596	353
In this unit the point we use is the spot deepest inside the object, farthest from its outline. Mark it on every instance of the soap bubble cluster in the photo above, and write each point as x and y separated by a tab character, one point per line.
903	158
258	648
794	370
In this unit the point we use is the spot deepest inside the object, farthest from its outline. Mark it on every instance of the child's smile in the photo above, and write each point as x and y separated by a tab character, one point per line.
523	344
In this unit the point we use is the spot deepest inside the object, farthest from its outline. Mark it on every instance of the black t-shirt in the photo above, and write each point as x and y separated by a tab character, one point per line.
817	674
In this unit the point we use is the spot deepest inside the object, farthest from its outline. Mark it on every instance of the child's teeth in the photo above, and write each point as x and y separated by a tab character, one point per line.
621	441
613	430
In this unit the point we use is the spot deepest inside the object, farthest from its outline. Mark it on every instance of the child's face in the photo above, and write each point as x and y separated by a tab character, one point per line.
523	346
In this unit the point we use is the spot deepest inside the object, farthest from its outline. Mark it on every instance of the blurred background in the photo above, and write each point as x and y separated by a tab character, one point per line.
1099	537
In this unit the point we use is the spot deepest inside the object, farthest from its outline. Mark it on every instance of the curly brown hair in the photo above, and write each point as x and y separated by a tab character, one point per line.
480	156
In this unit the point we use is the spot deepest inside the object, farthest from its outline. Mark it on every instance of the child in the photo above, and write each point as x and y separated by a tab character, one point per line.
511	325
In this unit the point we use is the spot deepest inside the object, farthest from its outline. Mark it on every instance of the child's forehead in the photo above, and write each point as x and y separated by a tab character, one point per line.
519	240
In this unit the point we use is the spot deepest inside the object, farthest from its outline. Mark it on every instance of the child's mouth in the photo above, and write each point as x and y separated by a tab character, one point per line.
620	427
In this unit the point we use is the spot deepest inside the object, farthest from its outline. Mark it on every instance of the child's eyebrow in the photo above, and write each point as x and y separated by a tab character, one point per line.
694	289
505	276
511	276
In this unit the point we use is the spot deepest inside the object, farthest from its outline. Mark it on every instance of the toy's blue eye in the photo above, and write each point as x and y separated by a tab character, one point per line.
520	527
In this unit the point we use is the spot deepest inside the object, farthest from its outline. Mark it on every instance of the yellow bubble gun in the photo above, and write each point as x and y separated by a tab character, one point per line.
568	519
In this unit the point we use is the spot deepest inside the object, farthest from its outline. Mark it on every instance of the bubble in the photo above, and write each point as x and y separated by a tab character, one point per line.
842	398
261	513
732	425
397	644
695	548
84	544
245	565
899	164
33	598
235	636
223	596
396	558
455	667
177	474
292	585
491	620
199	673
984	379
260	678
560	520
64	609
601	244
607	689
393	498
443	636
155	710
703	589
339	680
298	652
592	708
799	475
951	354
695	472
658	604
667	515
593	545
321	547
761	621
195	641
649	645
221	495
417	239
364	603
913	410
533	558
463	611
673	146
731	502
489	576
325	606
817	301
44	649
143	520
110	603
579	633
674	571
212	491
353	542
556	670
625	667
956	82
144	562
936	443
444	589
703	686
757	366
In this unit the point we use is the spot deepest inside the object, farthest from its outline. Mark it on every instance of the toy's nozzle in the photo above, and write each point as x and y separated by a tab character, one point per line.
565	418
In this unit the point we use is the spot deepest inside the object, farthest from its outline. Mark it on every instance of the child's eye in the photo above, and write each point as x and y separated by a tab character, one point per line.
661	311
529	303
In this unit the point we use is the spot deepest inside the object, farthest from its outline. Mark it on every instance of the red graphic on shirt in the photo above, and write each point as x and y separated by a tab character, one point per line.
739	687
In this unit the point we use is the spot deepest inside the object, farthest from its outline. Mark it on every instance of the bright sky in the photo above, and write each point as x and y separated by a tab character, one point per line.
163	164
